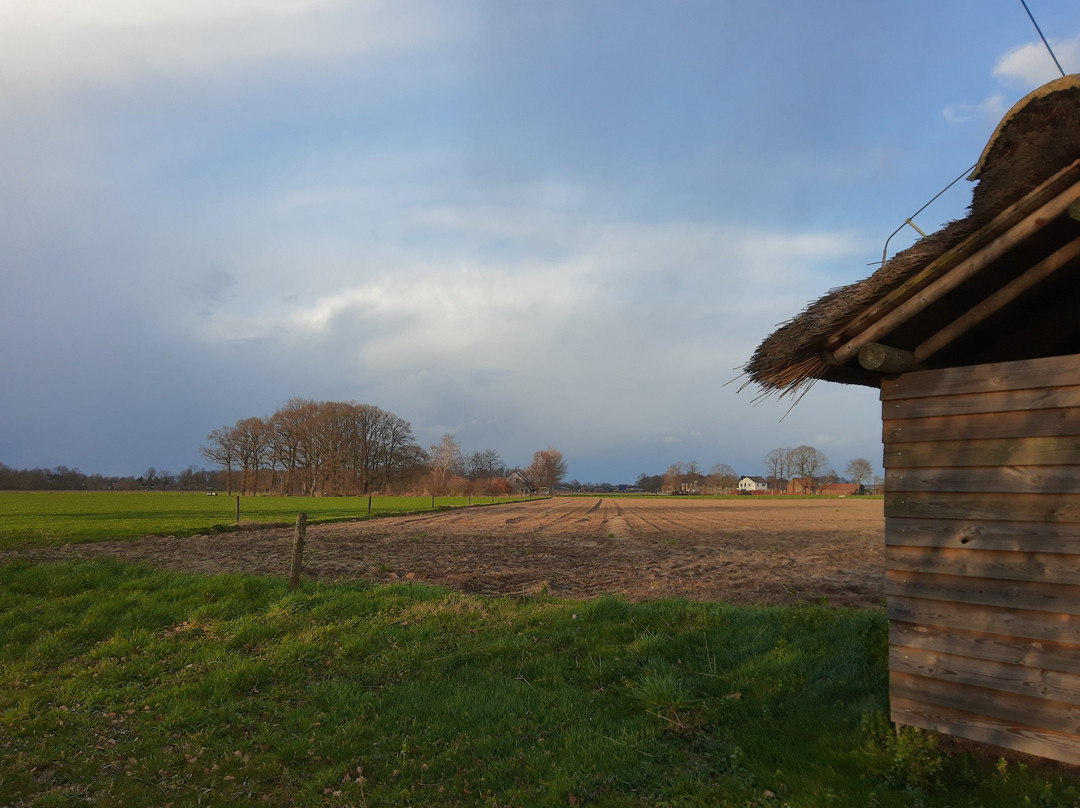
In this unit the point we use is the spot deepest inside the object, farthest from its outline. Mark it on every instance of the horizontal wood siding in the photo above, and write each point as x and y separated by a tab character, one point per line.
982	511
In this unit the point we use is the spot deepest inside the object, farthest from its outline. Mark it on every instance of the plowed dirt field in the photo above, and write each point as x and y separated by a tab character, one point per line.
750	550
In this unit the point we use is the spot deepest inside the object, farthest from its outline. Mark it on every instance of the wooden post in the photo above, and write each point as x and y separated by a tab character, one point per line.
298	550
238	509
432	502
369	505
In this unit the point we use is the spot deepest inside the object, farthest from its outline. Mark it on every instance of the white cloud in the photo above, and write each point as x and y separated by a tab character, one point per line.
1030	65
1026	66
989	110
142	13
57	43
582	282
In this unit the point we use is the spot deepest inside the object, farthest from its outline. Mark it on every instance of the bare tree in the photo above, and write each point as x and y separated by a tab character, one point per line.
323	447
673	477
446	462
776	466
651	483
222	451
253	446
859	470
287	439
547	469
807	462
723	476
483	464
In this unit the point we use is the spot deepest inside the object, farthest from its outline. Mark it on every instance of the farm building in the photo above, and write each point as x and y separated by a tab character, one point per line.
802	485
751	484
520	484
972	336
841	489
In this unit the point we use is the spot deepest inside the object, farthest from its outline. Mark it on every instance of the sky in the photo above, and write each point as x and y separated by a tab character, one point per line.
527	224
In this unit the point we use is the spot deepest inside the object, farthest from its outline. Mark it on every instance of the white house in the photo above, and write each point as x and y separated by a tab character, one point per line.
750	484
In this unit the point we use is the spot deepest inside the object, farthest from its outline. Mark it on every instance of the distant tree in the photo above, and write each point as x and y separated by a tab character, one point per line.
806	461
483	464
673	477
222	451
777	466
859	470
547	469
446	462
723	477
290	434
692	478
253	451
650	483
194	478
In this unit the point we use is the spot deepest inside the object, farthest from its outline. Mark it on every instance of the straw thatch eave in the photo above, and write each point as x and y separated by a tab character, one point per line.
1039	136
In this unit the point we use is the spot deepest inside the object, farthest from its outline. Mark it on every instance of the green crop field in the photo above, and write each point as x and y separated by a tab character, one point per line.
125	685
42	518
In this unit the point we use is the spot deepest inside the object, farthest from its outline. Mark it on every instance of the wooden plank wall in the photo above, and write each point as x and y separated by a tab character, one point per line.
982	510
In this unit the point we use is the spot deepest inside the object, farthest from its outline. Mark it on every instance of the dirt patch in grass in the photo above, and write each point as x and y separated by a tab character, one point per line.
752	550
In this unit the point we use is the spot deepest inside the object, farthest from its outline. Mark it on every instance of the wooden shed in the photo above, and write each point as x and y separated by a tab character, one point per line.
973	337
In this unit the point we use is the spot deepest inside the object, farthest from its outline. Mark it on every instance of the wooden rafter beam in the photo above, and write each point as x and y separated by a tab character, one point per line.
885	359
1005	220
998	300
1018	233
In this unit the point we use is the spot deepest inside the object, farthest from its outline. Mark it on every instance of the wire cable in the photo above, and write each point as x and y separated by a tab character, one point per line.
908	220
1043	38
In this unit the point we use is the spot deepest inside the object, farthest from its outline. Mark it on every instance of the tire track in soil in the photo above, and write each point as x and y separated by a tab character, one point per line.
739	551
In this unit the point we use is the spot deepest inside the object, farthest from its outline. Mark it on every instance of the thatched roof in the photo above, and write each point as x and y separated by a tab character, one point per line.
1033	159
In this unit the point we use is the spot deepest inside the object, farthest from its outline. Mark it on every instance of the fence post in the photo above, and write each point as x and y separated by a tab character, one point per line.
369	505
238	509
298	550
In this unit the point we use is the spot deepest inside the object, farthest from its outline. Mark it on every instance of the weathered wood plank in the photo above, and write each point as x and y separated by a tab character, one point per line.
1064	422
1025	595
990	564
1041	654
1024	374
1056	716
999	452
1047	398
973	507
1002	734
965	671
1018	623
1010	479
1014	536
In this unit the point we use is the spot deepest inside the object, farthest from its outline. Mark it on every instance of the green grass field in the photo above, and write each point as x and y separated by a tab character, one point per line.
42	518
123	685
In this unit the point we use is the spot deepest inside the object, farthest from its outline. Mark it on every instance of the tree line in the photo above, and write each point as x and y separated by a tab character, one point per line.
62	478
690	478
781	466
329	448
810	463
